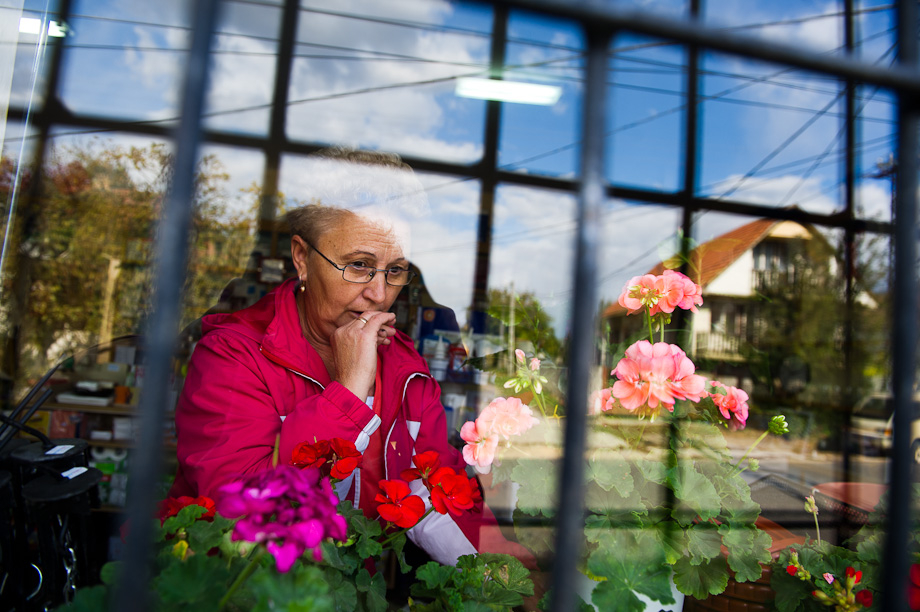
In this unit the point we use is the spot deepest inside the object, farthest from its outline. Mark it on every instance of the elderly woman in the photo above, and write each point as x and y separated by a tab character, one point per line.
318	358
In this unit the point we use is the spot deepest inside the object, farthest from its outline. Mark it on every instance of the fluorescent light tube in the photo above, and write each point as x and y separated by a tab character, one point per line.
508	91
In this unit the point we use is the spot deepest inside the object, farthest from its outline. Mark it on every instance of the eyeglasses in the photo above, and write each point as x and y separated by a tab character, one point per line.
356	273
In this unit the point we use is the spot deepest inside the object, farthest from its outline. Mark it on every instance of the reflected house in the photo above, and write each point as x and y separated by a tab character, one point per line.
773	302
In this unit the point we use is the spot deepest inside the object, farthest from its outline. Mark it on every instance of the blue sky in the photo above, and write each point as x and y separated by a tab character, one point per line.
380	75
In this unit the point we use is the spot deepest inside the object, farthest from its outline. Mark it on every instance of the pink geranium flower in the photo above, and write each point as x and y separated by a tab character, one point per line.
656	374
639	292
534	364
601	401
480	446
732	404
662	293
506	416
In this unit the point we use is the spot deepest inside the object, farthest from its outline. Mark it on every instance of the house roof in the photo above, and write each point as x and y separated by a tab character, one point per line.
710	259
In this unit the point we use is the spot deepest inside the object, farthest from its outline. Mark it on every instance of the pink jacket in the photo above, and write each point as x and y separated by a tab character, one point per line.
254	376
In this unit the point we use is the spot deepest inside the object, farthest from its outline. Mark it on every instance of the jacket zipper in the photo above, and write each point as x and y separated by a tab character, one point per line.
278	361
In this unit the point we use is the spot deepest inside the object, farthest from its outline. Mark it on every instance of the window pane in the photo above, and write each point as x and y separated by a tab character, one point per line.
809	25
770	135
125	62
647	111
242	75
536	138
388	81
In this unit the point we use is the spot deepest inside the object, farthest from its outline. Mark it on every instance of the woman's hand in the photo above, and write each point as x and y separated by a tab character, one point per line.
354	349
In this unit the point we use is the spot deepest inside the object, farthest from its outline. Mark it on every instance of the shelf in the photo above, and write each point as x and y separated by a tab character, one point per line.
114	409
124	444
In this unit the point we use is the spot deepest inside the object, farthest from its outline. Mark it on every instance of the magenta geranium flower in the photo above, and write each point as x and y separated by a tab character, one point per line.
656	374
286	509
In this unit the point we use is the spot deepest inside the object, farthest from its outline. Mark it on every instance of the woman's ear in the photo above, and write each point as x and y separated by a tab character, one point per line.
299	252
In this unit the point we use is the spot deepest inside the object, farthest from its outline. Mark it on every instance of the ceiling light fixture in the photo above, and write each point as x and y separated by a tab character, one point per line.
508	91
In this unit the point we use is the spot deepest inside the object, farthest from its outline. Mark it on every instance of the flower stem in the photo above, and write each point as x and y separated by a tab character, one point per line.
651	332
737	469
396	534
817	528
241	578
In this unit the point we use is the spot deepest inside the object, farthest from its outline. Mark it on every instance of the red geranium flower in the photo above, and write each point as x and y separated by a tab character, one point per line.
864	597
397	505
854	574
451	492
337	458
172	505
306	455
426	464
913	587
345	458
791	570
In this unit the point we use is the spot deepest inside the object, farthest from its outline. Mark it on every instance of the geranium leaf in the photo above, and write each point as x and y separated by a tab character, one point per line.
88	599
304	587
610	474
109	572
703	542
538	486
790	591
344	594
694	493
205	535
701	581
199	581
616	597
667	538
435	575
748	548
374	589
340	557
652	470
183	519
539	540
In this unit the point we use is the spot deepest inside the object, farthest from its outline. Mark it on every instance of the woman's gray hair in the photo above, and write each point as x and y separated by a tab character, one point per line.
345	184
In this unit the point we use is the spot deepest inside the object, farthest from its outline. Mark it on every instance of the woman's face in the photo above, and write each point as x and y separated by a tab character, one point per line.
331	301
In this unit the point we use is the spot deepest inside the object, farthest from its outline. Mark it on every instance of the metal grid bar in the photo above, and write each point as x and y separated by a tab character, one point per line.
160	338
581	355
903	79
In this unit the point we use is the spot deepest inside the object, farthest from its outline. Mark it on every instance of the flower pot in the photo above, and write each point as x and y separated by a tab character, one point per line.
748	596
741	596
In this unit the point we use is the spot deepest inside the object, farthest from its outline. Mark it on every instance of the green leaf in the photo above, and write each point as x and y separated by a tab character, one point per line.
652	470
434	575
367	532
343	558
374	589
538	486
185	518
616	597
88	599
540	540
701	581
612	473
645	574
695	494
397	546
344	594
205	535
200	580
703	542
748	548
667	538
790	591
304	587
109	573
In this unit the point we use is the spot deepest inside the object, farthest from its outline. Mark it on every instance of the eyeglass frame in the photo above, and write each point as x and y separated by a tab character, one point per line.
372	272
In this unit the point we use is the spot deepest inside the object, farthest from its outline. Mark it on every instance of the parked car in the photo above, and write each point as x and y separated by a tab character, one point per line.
871	426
